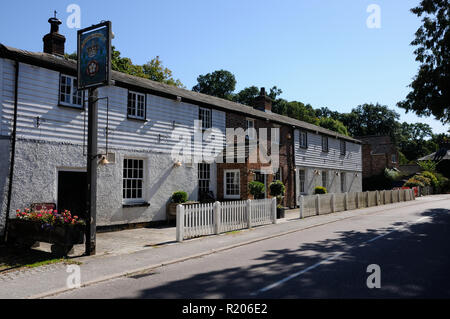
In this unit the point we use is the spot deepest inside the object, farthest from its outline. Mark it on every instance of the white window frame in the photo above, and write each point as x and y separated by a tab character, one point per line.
74	93
394	158
205	115
134	107
204	174
142	179
300	181
251	136
325	145
343	147
225	194
303	139
343	182
325	174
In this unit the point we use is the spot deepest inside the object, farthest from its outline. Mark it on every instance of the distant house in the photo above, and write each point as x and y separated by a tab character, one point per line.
378	153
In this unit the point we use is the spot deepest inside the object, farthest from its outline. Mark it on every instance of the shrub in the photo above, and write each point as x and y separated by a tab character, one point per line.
320	190
257	189
412	182
277	188
432	177
392	174
179	197
425	180
429	165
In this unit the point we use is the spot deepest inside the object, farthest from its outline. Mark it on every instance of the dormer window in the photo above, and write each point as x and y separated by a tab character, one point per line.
68	93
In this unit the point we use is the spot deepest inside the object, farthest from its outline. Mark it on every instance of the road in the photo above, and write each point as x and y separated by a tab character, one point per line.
411	245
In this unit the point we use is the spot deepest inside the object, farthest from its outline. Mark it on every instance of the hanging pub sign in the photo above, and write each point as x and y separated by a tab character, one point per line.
94	56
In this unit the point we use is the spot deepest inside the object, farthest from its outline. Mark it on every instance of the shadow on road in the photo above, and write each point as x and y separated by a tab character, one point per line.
414	261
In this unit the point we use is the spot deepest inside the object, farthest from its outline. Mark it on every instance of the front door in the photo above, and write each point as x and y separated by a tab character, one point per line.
72	192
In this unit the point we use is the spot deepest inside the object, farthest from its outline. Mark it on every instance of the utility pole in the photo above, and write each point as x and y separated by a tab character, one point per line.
91	216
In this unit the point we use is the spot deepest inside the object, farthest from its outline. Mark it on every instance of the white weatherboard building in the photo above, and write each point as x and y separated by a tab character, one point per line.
43	137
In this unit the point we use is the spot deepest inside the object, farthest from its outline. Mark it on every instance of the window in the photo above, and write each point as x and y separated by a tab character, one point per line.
343	148
303	139
324	179
276	131
324	144
232	185
343	187
68	93
278	175
205	116
133	179
394	158
251	130
136	105
204	175
302	179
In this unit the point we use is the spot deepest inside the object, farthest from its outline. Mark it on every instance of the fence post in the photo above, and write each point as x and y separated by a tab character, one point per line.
398	192
392	196
367	199
346	201
302	207
413	194
217	209
377	198
180	223
249	213
274	210
317	204
333	203
357	200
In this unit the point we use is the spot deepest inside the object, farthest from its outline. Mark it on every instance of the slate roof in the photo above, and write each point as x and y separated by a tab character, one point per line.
60	63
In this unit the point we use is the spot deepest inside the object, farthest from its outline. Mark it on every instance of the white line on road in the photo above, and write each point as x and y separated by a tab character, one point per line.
280	282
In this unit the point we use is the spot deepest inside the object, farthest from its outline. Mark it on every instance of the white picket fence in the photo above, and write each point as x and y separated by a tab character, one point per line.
216	218
313	205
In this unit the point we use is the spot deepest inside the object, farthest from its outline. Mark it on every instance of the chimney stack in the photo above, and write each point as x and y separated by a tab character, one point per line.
263	102
54	42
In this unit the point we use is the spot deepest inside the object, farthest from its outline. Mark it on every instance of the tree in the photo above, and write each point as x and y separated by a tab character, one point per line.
247	95
430	93
220	83
333	125
153	70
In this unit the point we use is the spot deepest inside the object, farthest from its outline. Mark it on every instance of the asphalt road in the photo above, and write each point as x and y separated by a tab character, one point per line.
411	245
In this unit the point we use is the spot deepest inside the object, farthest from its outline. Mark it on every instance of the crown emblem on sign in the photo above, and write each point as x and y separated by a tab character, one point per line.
92	50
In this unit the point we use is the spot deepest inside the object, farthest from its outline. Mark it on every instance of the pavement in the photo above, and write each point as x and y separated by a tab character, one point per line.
144	259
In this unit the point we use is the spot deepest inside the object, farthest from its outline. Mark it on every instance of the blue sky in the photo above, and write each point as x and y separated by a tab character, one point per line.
317	52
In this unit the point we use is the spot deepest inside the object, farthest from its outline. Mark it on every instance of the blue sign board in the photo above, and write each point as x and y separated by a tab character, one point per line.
94	56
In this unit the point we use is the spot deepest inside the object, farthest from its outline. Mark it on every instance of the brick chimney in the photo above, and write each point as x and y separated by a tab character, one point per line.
54	42
263	102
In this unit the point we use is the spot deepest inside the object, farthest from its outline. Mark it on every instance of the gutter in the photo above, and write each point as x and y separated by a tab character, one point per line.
13	149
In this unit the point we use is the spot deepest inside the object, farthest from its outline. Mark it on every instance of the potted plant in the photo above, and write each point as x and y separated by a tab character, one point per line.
257	189
62	230
277	189
177	198
320	190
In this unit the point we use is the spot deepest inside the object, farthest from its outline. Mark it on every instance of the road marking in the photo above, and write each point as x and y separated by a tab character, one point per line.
276	284
280	282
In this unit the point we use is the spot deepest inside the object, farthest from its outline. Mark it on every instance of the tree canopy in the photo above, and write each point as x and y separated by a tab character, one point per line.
219	83
430	93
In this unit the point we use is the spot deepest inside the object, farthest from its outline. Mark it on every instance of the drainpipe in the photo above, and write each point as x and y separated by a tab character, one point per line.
13	150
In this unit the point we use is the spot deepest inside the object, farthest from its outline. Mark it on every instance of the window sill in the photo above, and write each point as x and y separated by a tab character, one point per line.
143	120
137	204
73	107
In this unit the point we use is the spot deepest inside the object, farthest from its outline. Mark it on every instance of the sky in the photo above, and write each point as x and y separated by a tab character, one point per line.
318	52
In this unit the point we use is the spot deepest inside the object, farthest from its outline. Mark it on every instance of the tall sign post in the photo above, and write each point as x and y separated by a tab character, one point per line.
94	71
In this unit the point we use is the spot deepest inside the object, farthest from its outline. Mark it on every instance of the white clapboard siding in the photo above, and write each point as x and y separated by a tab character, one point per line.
38	100
314	157
1	94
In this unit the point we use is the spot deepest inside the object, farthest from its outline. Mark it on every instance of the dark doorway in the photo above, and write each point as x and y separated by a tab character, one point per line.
72	192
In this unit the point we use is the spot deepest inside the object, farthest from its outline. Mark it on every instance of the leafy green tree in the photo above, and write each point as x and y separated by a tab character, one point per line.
247	95
333	125
153	70
220	83
430	93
